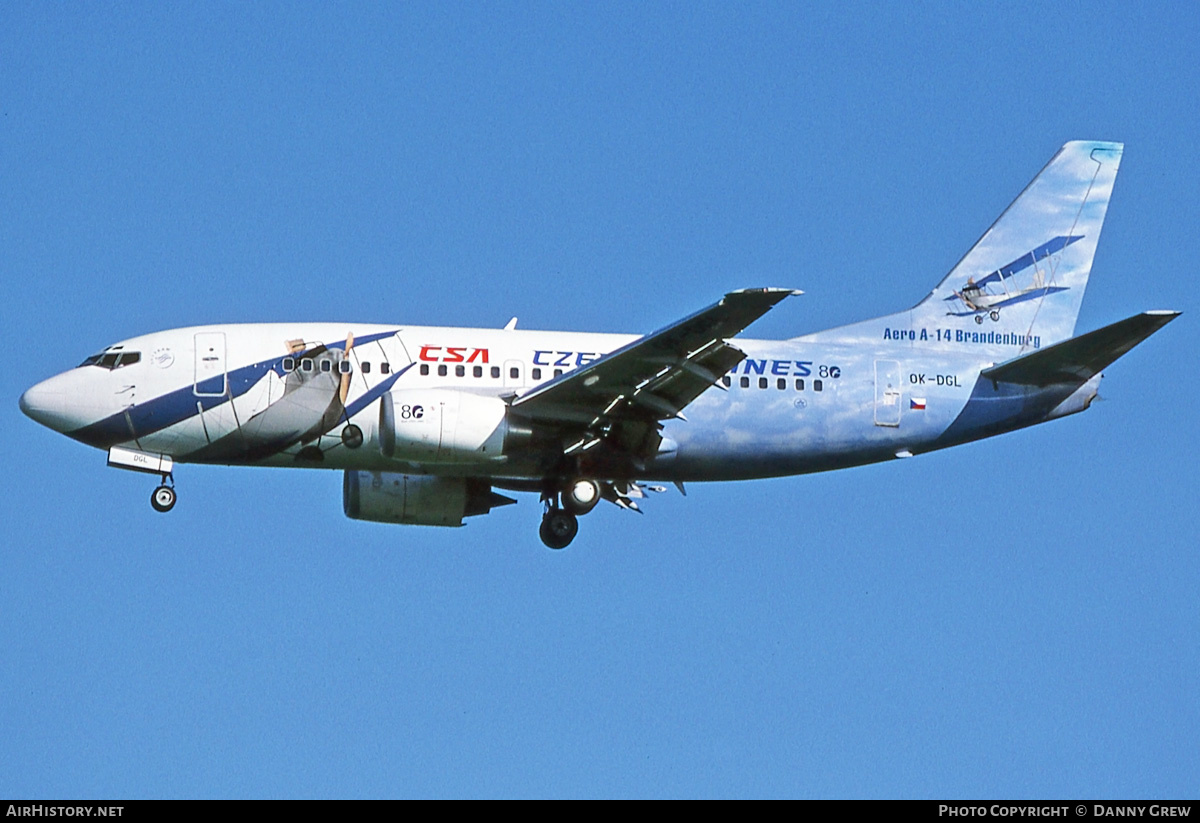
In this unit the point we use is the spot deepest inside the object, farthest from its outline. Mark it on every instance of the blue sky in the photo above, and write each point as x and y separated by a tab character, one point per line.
1015	617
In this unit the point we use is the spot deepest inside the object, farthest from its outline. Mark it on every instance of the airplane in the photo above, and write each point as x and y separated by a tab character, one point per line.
427	423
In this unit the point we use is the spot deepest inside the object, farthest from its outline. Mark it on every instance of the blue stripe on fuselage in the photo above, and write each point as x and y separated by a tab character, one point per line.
166	410
372	395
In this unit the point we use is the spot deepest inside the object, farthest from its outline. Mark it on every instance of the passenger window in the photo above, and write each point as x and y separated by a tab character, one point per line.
558	372
744	382
460	371
344	367
477	371
762	382
799	384
727	380
781	384
442	370
495	371
537	374
818	385
424	369
326	366
385	367
306	365
366	367
514	372
289	364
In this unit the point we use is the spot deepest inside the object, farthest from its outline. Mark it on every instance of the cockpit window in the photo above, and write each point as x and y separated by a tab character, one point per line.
112	359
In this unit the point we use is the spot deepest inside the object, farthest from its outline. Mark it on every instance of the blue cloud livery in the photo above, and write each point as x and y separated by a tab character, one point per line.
427	423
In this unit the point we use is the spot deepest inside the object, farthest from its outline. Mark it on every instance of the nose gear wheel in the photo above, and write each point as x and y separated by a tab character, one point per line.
163	499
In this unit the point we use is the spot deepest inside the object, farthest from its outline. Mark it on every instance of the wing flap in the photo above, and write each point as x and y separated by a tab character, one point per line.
1081	358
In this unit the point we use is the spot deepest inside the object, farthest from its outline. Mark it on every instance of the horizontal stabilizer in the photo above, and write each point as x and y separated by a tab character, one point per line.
1081	358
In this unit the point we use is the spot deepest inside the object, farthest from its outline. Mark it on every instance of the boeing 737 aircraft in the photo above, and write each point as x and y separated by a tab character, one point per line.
427	422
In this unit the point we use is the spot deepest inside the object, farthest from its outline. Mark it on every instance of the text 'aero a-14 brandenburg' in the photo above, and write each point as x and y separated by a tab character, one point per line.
428	422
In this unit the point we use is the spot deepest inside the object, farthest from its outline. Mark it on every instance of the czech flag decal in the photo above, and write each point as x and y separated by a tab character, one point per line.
917	403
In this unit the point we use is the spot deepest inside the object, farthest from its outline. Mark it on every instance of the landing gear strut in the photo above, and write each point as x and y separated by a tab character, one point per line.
163	498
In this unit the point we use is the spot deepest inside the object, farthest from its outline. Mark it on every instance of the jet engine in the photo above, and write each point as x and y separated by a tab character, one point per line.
445	426
420	500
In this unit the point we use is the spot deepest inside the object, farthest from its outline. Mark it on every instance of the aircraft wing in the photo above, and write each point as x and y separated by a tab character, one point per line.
1081	358
618	399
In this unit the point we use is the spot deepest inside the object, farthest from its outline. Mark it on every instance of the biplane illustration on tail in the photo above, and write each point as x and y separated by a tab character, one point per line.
997	290
427	423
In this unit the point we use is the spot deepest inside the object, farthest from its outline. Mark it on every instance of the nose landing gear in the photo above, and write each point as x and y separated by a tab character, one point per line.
163	498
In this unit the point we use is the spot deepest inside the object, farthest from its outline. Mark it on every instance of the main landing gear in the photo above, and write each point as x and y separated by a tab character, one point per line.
558	528
163	498
994	314
560	523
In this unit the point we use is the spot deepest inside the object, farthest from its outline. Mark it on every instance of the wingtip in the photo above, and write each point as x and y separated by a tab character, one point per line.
769	290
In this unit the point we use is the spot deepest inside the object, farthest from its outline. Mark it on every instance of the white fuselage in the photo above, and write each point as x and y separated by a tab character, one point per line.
204	394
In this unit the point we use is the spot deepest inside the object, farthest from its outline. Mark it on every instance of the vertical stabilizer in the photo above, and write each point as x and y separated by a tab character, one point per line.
1021	285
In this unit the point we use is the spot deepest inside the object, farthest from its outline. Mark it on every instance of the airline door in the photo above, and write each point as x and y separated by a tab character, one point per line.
887	393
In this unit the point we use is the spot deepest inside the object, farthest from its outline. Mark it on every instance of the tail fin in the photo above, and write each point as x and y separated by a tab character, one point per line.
1021	285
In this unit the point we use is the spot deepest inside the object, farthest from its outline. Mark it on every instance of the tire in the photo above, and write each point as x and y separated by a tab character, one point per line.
995	315
979	318
581	496
558	529
163	499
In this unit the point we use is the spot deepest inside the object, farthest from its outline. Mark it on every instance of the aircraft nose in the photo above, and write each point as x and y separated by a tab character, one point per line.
52	404
43	404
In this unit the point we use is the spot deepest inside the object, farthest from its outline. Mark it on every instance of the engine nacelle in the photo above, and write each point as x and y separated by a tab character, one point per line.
419	500
443	426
